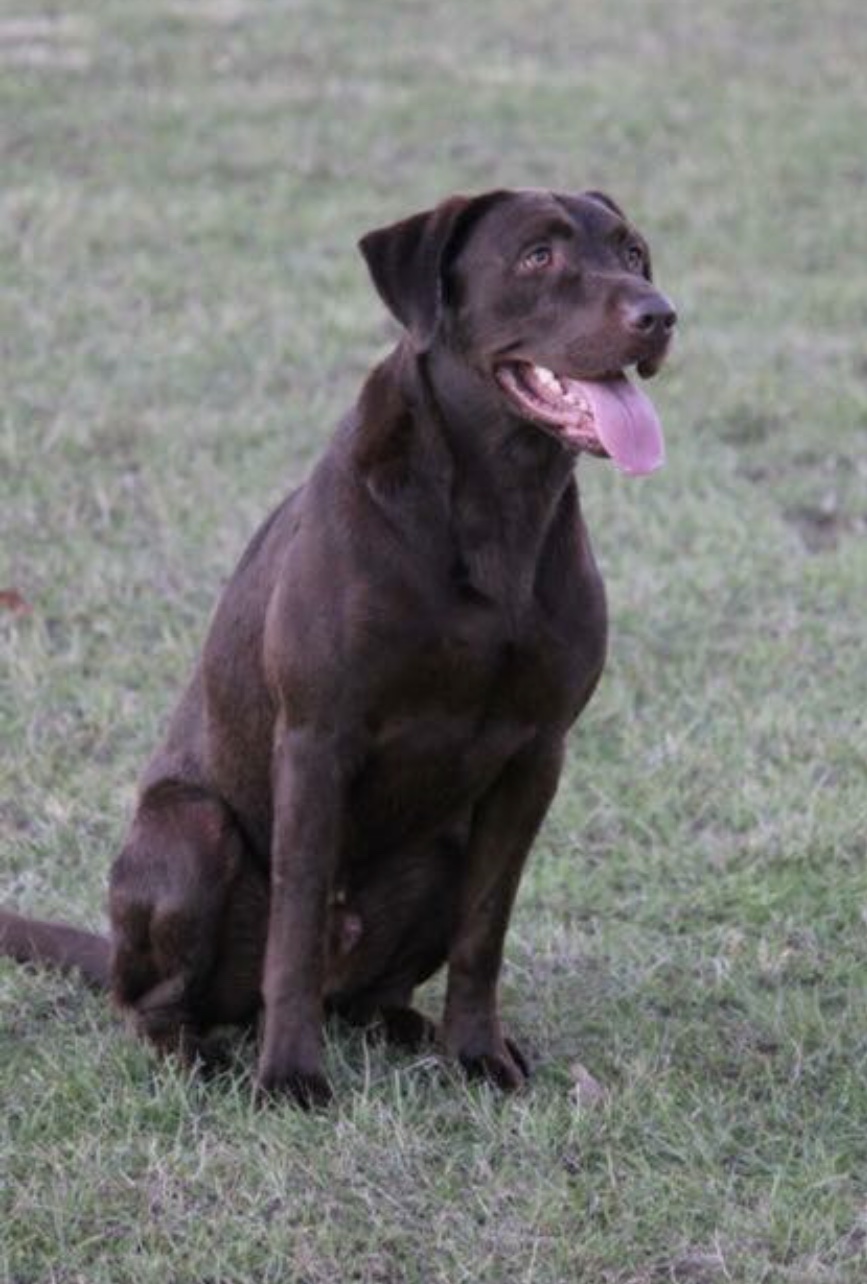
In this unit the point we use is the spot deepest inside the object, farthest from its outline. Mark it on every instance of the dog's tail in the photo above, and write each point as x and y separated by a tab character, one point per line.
29	940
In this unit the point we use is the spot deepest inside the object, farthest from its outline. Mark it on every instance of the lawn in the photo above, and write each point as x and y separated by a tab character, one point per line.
183	318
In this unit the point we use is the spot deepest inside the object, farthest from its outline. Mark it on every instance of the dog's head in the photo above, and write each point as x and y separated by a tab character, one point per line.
547	295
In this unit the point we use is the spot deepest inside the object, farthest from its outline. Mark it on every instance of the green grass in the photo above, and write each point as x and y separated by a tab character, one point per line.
183	316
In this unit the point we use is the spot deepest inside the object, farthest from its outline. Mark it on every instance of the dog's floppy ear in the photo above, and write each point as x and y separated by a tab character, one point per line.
407	262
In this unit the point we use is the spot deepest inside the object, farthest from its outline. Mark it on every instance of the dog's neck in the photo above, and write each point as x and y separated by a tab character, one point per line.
508	480
432	424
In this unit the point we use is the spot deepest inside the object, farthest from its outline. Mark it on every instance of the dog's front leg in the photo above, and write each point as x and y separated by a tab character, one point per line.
505	824
306	833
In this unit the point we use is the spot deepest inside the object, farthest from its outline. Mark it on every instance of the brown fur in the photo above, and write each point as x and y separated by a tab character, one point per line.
373	733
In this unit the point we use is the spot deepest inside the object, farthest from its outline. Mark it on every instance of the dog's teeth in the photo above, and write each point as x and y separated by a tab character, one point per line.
545	376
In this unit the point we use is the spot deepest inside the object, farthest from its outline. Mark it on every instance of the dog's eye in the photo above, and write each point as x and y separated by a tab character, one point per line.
537	258
634	256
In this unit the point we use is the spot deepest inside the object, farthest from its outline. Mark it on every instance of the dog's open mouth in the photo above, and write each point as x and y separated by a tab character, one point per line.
601	416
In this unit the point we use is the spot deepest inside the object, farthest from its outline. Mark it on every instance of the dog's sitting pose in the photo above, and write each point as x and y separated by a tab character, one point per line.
354	776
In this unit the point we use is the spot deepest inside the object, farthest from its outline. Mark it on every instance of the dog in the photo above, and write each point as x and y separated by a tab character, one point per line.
374	730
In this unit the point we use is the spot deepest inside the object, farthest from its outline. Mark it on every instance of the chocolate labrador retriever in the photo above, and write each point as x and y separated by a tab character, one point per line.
354	776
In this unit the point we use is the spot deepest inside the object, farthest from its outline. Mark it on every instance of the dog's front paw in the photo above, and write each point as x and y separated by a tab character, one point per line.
308	1088
503	1064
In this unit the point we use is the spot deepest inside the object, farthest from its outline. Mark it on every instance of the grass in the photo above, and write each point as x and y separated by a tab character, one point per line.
183	316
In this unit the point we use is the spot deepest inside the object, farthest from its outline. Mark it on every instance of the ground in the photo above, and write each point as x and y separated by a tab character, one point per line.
183	317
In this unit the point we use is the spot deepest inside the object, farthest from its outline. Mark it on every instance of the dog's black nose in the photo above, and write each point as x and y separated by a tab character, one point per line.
650	316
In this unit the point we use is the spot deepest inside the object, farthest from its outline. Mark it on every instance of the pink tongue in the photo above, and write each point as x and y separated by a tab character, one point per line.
626	424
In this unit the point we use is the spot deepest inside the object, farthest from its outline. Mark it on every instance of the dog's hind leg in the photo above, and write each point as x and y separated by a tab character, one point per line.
188	920
405	906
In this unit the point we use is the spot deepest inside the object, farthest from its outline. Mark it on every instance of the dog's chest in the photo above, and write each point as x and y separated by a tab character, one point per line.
485	662
463	698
